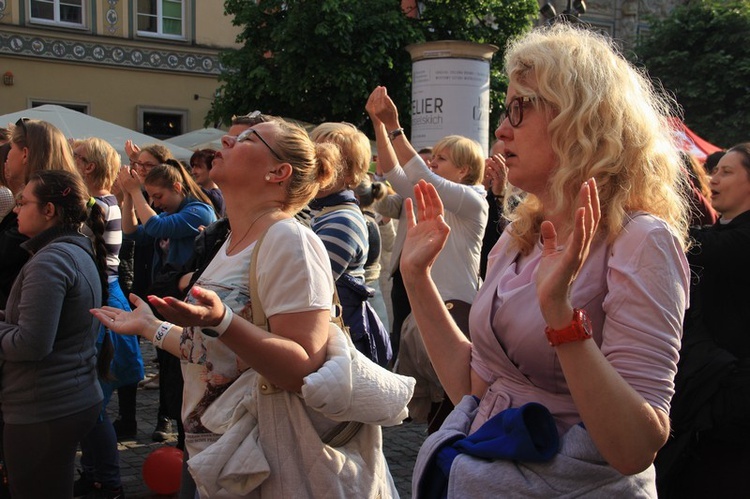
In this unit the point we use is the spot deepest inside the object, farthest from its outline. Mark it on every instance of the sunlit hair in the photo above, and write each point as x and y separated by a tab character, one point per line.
354	145
48	147
172	173
607	122
463	152
743	150
106	161
205	155
313	165
158	151
5	134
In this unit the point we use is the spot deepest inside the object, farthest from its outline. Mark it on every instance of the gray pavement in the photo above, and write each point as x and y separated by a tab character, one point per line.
400	443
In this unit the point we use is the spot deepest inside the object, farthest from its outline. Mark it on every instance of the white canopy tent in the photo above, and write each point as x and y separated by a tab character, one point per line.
75	125
203	138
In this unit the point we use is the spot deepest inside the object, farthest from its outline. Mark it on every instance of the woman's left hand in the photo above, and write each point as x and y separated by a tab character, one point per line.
138	321
560	265
206	312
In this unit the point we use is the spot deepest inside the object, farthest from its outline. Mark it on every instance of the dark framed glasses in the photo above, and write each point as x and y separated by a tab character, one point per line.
514	110
251	131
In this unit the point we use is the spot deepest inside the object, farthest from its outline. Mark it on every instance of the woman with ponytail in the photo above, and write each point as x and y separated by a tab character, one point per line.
50	392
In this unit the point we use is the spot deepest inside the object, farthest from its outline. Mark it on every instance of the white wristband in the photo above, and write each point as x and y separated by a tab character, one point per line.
221	328
161	333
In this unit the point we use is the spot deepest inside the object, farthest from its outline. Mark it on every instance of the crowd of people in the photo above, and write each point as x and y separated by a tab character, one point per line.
566	313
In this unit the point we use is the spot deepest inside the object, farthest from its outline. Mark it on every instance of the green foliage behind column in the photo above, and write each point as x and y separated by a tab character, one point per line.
701	53
318	60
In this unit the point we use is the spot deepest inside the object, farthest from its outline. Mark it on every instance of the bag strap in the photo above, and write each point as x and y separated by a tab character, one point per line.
340	434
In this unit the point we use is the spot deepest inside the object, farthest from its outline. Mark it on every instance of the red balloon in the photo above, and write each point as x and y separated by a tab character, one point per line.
162	470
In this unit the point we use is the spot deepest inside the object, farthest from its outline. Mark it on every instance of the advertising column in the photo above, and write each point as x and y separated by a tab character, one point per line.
450	92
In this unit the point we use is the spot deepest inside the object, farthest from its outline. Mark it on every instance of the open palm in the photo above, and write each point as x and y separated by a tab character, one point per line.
560	265
426	235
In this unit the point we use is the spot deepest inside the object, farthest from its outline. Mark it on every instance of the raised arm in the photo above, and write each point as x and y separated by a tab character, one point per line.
627	430
381	107
387	159
449	350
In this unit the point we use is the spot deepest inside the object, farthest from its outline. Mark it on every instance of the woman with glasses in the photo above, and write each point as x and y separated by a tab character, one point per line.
50	394
575	332
456	169
267	174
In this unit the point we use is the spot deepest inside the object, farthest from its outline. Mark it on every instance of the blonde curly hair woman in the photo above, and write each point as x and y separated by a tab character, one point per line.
595	252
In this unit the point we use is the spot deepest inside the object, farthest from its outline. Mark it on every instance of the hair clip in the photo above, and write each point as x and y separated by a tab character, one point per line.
66	191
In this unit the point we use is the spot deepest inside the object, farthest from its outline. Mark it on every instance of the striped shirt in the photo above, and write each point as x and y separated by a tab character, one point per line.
112	231
344	234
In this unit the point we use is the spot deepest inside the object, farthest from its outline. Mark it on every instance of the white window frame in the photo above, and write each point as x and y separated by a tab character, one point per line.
159	33
85	4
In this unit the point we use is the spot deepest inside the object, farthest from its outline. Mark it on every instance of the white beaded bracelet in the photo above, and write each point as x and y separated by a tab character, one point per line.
161	333
221	328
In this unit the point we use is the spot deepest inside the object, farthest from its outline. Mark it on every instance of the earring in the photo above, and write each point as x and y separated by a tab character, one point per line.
268	176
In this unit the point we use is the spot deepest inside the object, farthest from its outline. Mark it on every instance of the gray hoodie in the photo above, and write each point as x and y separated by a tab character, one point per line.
47	340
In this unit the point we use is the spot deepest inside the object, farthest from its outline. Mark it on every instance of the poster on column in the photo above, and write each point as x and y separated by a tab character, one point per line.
450	96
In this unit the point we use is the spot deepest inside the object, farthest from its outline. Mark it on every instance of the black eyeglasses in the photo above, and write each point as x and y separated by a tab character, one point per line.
251	119
246	136
514	110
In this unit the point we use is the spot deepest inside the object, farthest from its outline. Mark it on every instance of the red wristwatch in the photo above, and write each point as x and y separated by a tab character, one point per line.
579	329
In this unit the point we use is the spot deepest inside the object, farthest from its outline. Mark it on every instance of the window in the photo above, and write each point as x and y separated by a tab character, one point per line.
81	108
160	123
164	18
61	12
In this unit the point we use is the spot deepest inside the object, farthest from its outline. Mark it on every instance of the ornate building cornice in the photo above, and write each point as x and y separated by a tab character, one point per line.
108	54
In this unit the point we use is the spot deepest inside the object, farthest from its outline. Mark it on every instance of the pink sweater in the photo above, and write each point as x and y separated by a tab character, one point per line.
635	292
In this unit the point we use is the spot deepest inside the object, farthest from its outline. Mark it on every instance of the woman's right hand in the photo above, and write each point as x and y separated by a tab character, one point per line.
380	107
132	150
138	321
426	235
496	174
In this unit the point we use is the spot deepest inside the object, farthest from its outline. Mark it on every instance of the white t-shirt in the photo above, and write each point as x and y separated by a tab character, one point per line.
294	275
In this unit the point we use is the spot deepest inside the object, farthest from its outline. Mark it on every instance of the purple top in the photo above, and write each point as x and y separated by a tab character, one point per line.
635	291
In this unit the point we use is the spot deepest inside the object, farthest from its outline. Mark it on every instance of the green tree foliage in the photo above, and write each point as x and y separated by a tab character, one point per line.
318	60
701	54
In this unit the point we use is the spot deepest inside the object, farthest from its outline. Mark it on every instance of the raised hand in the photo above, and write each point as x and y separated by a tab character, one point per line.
121	321
380	107
426	235
560	264
207	310
132	150
496	174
